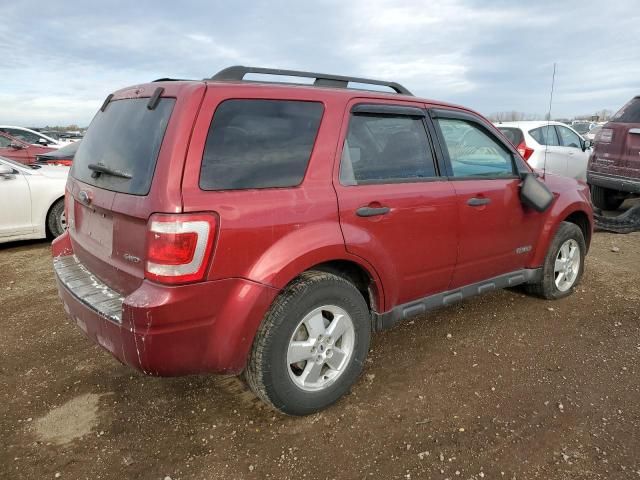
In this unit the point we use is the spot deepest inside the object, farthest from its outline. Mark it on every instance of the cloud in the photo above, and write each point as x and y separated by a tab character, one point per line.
489	55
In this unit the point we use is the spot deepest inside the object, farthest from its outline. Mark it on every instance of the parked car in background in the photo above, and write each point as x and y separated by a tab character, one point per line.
554	146
591	134
19	150
61	156
582	127
31	136
32	200
614	166
230	226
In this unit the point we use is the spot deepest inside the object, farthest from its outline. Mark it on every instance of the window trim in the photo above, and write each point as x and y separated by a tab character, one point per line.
390	110
517	164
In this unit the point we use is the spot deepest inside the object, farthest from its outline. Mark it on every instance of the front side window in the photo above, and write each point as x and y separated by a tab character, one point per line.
473	152
545	136
569	138
386	149
27	137
259	144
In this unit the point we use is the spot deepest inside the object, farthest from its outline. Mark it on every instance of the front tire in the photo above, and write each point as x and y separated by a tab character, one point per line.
56	221
564	264
311	346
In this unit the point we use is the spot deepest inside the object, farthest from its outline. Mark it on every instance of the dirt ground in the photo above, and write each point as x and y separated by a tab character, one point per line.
501	386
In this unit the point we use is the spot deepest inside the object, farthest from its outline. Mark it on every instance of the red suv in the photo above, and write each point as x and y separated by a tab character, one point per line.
614	167
233	226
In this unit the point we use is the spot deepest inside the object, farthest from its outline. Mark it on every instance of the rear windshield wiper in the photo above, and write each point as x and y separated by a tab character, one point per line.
99	168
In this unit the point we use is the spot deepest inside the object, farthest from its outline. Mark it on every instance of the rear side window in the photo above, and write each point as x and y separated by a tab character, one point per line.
259	144
545	135
514	135
386	149
124	139
630	113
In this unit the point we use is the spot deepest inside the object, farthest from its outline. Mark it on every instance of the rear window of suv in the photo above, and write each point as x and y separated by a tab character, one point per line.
630	113
514	135
125	138
259	144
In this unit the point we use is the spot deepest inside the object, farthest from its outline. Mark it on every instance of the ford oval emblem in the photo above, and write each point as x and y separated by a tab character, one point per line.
84	197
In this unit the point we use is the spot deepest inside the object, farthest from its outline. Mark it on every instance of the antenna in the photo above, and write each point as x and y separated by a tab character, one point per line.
546	147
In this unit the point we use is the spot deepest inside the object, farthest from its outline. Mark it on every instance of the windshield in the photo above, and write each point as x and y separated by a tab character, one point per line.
581	127
124	139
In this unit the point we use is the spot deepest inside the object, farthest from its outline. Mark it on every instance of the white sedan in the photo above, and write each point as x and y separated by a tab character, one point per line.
552	146
31	200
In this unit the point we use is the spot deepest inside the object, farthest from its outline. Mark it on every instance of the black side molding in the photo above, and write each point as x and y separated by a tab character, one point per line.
382	321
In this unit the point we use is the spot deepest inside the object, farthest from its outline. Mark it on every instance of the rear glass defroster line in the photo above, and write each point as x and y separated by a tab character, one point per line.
155	98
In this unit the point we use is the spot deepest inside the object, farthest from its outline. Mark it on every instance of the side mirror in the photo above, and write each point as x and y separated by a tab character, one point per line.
586	144
43	142
534	193
16	146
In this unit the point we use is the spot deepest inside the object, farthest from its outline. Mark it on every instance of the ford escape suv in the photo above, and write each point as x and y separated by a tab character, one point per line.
614	166
266	229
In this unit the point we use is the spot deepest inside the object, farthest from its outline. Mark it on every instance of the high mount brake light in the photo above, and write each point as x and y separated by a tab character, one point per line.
179	247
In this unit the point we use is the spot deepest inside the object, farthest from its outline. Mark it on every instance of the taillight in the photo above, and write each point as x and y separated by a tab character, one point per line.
605	135
179	247
524	150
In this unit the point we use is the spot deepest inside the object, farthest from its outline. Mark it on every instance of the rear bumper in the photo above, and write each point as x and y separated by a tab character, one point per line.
614	182
168	331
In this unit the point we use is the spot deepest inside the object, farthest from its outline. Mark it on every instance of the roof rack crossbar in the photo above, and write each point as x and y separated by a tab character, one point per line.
238	72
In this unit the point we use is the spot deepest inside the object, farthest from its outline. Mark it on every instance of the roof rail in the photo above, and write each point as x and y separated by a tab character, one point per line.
238	72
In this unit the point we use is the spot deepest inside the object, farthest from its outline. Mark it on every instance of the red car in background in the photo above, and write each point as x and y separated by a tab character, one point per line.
19	151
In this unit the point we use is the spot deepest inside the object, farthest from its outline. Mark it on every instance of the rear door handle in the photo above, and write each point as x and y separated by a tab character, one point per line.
478	202
372	211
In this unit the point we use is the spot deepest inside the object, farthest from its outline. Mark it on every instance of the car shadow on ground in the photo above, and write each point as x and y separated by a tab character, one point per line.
8	246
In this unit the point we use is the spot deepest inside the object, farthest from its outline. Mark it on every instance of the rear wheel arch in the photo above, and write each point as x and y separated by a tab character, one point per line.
359	276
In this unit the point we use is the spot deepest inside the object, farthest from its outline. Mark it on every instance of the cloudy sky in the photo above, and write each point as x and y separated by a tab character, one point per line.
61	58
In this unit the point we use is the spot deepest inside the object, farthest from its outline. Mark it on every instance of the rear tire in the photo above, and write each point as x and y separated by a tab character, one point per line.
56	221
564	264
605	199
322	321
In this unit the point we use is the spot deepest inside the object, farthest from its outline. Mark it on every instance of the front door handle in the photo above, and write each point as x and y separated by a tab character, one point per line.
372	211
478	201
